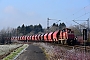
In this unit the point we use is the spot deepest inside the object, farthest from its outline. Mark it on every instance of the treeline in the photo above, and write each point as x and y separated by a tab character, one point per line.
26	30
55	27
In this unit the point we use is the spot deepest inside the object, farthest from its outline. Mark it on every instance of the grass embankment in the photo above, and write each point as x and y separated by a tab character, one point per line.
45	48
7	49
46	54
15	53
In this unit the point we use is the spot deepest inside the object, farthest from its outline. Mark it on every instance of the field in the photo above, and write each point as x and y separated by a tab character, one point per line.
13	55
6	49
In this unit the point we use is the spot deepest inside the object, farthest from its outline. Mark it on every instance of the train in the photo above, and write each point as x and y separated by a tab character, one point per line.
64	36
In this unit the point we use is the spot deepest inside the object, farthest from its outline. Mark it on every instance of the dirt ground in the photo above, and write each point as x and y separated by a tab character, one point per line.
32	53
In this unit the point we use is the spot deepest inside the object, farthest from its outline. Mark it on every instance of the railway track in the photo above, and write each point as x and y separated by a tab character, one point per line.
76	47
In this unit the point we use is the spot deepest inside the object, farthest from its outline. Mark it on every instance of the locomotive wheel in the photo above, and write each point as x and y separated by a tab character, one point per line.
71	42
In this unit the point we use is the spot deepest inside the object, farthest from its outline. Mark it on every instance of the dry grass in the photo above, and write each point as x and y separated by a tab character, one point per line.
62	53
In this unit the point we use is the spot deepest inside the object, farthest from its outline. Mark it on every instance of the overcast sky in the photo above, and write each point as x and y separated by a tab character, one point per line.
14	13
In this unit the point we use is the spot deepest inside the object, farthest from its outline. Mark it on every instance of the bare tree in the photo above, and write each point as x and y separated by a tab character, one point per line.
5	35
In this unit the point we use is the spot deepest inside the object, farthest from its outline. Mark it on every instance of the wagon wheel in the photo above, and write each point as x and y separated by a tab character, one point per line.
59	41
54	40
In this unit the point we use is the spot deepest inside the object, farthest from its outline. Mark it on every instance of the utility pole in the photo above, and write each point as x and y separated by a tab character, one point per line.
51	19
48	23
88	24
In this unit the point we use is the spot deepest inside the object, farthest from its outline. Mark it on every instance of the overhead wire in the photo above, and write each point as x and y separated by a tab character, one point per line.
82	15
81	10
79	24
